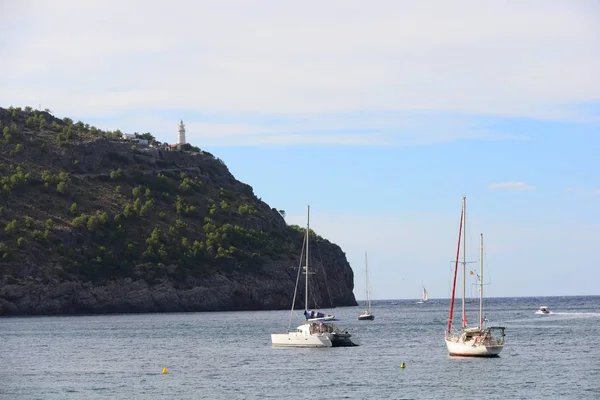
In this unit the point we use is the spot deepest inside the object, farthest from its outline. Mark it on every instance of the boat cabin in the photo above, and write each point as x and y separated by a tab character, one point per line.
491	336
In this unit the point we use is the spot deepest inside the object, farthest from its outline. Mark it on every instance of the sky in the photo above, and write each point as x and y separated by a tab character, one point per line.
381	115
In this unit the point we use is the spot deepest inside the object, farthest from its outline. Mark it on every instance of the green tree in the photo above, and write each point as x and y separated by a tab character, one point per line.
116	174
147	207
103	218
128	211
6	134
80	221
93	223
136	191
74	208
61	187
10	227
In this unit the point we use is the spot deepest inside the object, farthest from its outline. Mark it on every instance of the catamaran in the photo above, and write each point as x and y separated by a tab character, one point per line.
319	329
367	315
479	341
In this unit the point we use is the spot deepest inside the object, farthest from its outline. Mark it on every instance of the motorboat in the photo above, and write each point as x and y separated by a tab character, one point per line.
543	310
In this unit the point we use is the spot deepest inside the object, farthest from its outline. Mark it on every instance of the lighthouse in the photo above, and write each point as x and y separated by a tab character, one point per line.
181	133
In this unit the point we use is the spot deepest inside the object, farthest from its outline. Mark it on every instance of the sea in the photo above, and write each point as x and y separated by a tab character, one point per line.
228	355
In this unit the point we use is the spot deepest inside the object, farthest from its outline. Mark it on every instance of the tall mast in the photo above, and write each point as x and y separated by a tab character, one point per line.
451	313
306	267
481	282
367	284
464	261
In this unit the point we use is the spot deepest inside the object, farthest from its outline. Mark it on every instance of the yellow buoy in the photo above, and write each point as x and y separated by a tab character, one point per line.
402	365
165	370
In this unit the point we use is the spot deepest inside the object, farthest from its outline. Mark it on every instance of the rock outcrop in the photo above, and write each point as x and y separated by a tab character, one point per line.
90	223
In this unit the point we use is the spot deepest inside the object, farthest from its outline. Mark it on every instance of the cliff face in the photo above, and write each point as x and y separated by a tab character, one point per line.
92	224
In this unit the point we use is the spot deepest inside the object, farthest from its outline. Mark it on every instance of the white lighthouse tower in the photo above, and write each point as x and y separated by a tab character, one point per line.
181	133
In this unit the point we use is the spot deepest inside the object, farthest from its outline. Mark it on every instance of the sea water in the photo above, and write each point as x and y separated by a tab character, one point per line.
228	355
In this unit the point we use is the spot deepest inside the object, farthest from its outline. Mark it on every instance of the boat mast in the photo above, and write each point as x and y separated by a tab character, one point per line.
367	284
481	282
464	261
451	313
306	267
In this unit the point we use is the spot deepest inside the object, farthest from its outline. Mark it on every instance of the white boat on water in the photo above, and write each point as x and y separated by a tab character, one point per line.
319	329
479	341
367	315
543	310
424	296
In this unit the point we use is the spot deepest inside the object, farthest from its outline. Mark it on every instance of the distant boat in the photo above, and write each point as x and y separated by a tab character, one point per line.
424	297
319	329
479	341
367	315
543	310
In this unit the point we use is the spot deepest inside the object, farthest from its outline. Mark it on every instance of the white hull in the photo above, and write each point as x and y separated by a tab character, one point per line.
305	336
543	311
470	349
299	339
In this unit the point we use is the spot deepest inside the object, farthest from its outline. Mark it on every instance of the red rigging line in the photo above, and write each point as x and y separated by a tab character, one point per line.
455	271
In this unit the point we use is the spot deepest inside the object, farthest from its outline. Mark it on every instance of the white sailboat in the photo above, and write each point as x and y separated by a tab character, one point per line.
318	329
367	315
479	341
424	296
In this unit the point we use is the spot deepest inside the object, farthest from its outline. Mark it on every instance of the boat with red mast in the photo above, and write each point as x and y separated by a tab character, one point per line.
480	340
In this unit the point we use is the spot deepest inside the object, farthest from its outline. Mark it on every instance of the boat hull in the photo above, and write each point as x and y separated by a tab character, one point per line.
470	349
299	339
342	339
366	317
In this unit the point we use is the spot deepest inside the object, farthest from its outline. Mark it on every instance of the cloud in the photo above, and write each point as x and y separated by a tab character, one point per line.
99	58
511	186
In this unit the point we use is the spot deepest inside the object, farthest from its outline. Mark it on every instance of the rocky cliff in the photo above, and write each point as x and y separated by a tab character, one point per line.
90	223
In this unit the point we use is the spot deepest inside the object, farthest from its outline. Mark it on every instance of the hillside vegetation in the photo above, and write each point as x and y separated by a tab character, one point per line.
92	223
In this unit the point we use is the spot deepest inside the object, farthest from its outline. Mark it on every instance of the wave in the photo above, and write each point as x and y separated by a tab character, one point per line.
597	314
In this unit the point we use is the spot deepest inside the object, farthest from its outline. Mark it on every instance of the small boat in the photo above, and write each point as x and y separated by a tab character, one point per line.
480	340
367	315
319	329
425	296
543	310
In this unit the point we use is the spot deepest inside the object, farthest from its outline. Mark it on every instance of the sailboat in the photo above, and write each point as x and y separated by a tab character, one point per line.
478	341
424	296
319	329
367	315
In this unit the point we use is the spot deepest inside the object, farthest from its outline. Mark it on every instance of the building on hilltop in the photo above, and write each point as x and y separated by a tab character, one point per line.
181	133
131	137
